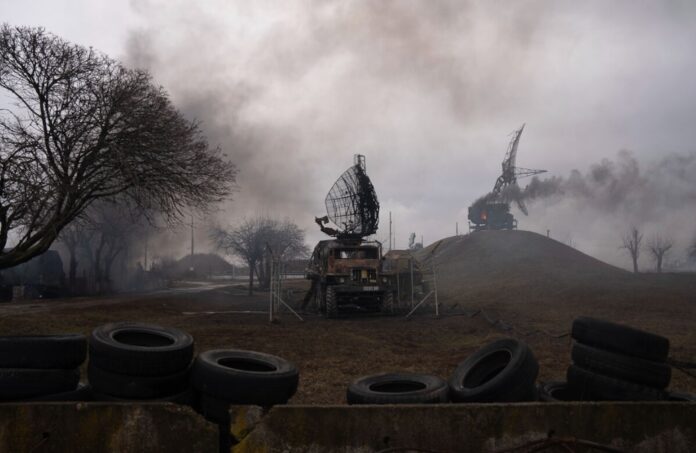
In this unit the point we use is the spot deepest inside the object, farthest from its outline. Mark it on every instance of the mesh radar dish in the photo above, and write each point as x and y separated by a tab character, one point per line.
352	204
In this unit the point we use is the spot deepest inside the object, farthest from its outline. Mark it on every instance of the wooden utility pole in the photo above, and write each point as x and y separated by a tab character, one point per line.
410	263
192	238
390	231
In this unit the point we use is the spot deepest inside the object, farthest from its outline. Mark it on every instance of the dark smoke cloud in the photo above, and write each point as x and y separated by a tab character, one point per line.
622	188
292	101
428	90
613	195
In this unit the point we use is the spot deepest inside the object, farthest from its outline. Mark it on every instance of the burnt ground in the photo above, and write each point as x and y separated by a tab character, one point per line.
331	353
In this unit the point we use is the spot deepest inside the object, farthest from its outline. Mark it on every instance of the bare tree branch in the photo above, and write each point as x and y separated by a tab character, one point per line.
85	128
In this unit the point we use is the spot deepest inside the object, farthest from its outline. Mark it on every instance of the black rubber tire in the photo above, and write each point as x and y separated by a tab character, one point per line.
331	303
398	388
21	383
590	386
388	303
138	387
140	349
680	396
43	351
188	397
555	391
503	371
621	339
245	377
621	366
319	300
83	392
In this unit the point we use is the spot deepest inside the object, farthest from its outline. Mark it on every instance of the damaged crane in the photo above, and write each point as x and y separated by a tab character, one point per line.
347	272
492	211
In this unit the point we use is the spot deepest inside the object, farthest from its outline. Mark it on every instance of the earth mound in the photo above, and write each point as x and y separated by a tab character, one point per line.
515	269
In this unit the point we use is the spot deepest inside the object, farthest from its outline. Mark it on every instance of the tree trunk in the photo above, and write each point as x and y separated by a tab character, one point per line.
263	272
252	269
98	276
659	264
72	273
635	264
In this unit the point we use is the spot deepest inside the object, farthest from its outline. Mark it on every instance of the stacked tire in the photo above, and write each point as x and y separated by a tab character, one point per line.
613	362
42	368
502	371
225	377
143	362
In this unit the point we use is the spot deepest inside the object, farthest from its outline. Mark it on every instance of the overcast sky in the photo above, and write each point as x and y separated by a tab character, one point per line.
429	91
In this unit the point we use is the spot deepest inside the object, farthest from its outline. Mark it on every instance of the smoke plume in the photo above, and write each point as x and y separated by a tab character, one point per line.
615	194
427	91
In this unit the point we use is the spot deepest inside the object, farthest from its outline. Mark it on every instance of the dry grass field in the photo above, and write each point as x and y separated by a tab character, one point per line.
527	280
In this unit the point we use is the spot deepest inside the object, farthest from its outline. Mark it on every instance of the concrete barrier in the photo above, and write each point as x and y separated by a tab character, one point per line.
104	427
127	427
623	427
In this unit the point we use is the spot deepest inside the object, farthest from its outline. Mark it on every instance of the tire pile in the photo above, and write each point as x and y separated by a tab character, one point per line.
143	362
224	377
134	361
613	362
503	371
42	368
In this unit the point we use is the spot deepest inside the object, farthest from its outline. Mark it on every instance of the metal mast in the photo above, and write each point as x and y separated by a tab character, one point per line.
510	172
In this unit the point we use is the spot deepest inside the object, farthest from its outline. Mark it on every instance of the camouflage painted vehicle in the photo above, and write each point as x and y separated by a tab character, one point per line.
349	275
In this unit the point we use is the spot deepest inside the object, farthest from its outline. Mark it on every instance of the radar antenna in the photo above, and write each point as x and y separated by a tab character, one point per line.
351	204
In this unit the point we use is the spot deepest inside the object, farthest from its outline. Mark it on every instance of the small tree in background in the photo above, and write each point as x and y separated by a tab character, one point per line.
659	246
251	240
632	241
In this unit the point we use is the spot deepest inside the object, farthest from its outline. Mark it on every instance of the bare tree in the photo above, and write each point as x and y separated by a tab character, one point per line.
72	236
632	241
284	241
245	241
82	128
103	233
115	228
252	239
659	246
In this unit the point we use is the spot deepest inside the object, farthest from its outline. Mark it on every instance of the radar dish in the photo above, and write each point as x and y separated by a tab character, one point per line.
352	202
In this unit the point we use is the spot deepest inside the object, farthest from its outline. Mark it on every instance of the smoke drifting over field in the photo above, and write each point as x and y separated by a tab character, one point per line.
621	187
613	195
428	91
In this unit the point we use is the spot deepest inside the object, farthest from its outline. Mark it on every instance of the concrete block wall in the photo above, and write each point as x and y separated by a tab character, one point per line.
128	427
630	427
